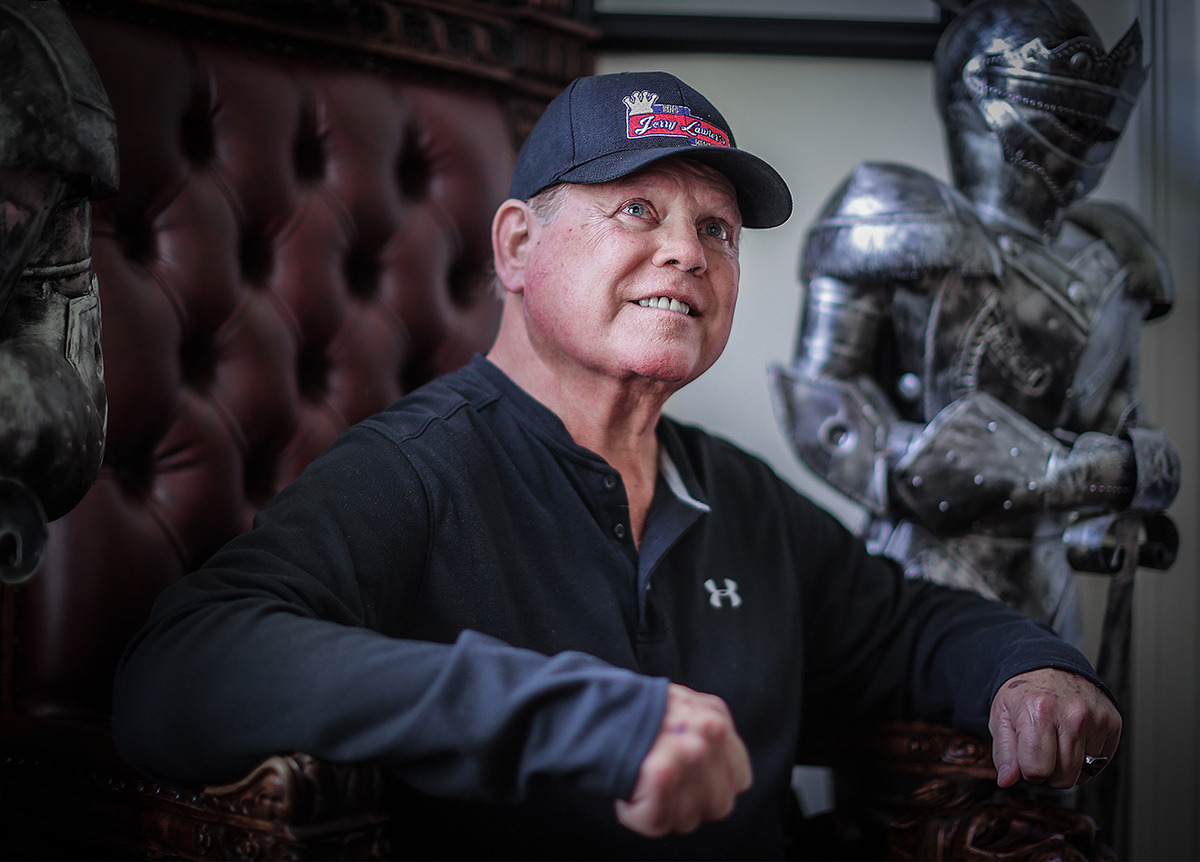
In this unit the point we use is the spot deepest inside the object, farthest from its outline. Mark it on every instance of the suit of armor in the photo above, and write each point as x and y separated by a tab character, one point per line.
57	153
966	364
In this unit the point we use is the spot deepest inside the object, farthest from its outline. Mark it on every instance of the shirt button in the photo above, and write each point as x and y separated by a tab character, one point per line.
619	531
610	481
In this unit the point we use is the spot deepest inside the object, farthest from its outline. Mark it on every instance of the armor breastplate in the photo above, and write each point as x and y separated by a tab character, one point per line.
1049	336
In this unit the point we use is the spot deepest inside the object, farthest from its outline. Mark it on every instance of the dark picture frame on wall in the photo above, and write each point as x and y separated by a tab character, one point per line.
886	29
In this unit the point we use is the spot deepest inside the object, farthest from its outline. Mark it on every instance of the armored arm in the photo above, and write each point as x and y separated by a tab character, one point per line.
886	228
836	416
981	462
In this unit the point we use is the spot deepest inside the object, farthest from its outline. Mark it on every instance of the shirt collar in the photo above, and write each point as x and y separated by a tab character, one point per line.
670	474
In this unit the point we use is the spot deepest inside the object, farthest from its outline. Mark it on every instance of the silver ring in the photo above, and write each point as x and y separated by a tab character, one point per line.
1093	765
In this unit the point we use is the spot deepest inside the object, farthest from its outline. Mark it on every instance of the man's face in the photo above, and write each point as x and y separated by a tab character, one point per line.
637	277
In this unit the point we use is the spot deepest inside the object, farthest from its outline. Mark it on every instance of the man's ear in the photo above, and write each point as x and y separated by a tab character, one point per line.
512	238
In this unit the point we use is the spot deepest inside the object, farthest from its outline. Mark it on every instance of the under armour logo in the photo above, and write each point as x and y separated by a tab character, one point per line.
716	595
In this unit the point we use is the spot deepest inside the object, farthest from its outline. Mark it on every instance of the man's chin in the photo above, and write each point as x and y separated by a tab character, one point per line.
673	371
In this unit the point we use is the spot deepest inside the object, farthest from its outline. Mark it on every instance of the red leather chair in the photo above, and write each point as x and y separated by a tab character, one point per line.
302	235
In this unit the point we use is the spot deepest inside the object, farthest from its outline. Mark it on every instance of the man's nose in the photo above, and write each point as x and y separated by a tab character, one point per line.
681	247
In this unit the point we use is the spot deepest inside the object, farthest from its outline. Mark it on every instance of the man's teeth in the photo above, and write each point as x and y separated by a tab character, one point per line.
664	302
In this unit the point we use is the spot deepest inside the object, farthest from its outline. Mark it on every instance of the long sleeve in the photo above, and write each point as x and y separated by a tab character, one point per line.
287	641
879	643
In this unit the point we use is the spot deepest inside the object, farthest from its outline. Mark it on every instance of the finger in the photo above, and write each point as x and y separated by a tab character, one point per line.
640	816
1113	740
1004	748
1037	744
656	808
1106	751
678	791
1080	732
741	774
1072	750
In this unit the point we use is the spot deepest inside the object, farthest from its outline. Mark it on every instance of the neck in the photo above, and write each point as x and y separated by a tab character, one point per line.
614	417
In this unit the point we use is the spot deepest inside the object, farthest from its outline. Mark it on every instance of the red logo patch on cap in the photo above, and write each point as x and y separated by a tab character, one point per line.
644	116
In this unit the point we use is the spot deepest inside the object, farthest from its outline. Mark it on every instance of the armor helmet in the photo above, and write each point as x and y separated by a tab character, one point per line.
54	114
1032	77
58	135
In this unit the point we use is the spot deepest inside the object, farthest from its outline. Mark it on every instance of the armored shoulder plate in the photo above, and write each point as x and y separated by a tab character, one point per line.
1149	277
888	223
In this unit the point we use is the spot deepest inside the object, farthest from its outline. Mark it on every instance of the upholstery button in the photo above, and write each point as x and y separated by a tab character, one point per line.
414	170
196	135
308	149
619	531
254	258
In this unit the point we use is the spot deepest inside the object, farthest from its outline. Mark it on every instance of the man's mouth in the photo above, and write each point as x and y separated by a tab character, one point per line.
666	303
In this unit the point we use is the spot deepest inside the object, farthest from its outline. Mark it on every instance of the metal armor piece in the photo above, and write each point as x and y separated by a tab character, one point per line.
54	114
57	152
966	359
1031	100
840	431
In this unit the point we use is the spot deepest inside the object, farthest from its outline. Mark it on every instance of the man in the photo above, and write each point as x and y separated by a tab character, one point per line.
568	625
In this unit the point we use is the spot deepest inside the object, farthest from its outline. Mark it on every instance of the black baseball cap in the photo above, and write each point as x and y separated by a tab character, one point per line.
604	127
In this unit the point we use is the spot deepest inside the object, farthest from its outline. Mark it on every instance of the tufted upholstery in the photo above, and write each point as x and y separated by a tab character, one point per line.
294	246
301	236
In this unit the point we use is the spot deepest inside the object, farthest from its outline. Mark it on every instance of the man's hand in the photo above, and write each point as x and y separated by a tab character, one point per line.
1044	722
694	770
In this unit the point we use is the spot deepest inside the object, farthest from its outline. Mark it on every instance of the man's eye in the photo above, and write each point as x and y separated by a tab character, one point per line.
716	230
637	210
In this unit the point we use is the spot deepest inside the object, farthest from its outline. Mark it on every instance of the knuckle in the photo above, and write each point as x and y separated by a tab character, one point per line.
717	728
1042	709
692	751
713	703
1075	715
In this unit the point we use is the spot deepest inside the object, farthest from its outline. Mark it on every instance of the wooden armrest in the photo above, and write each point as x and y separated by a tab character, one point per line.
921	791
68	794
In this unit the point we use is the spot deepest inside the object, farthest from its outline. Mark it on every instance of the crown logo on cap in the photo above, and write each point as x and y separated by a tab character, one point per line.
646	117
641	102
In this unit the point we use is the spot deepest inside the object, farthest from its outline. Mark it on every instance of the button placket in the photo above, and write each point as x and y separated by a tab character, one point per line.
612	485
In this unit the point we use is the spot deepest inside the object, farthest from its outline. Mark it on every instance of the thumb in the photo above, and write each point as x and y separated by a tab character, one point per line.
1004	747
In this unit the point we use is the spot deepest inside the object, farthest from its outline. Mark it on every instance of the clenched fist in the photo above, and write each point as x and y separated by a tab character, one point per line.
693	772
1045	722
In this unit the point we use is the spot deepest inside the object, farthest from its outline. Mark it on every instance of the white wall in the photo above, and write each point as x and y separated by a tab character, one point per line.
814	119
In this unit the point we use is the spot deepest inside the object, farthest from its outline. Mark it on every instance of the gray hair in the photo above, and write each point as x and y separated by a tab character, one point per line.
545	206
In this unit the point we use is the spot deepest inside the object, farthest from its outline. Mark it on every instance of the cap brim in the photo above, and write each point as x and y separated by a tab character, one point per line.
763	196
